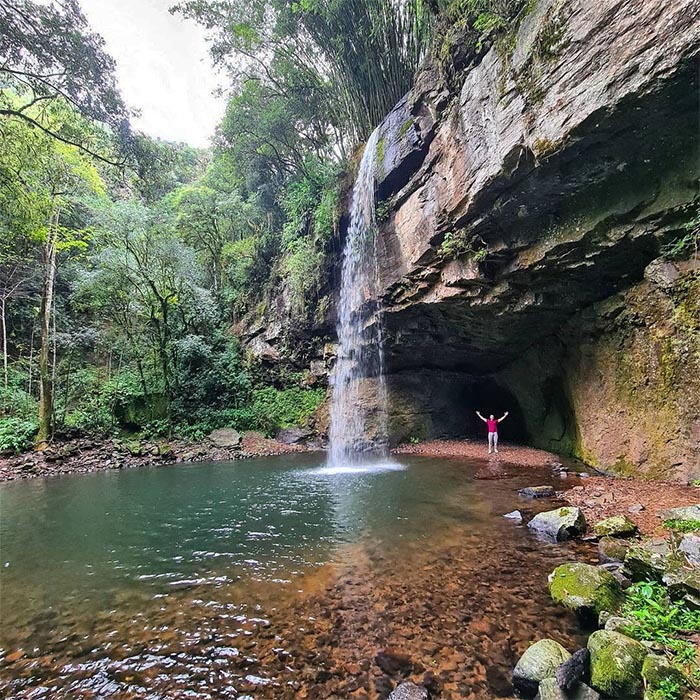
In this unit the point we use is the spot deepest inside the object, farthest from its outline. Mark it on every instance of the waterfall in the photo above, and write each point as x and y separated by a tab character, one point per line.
358	411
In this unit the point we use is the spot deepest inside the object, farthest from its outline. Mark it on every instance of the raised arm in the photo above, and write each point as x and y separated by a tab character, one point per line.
480	416
503	417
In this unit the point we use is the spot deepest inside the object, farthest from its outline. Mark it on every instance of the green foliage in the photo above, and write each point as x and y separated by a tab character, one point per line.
682	525
272	408
16	434
461	242
659	619
668	689
686	243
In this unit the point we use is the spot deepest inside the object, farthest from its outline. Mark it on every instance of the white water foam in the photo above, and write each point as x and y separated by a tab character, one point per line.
367	468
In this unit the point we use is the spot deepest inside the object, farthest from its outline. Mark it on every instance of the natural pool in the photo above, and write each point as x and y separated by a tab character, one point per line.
273	578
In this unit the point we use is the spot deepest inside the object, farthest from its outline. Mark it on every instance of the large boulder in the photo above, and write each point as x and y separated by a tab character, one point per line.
651	559
549	690
540	661
684	584
226	438
612	550
616	664
560	524
586	589
684	513
615	526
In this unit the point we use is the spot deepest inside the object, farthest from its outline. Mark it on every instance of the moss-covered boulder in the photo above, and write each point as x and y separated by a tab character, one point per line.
586	589
656	669
616	526
612	549
549	690
540	661
651	559
559	524
616	664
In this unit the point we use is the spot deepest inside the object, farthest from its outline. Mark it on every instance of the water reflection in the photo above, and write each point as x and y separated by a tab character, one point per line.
254	577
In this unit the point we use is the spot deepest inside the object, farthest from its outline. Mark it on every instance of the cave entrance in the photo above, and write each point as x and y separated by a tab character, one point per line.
490	397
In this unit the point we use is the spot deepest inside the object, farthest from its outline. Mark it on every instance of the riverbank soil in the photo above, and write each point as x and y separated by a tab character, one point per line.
85	455
602	497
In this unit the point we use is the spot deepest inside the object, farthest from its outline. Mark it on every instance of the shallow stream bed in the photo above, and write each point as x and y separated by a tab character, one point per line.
274	578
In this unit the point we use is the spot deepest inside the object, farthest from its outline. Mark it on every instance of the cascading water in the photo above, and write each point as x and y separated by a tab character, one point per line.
358	426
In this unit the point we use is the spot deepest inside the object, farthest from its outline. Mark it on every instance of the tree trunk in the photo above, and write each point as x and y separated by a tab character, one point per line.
45	383
4	348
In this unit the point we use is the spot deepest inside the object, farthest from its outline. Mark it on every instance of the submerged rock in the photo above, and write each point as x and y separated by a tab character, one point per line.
615	526
586	589
560	524
393	662
540	661
612	550
616	664
515	515
409	691
574	670
537	492
550	690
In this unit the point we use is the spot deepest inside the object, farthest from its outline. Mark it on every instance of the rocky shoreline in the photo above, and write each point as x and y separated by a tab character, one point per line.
642	600
81	455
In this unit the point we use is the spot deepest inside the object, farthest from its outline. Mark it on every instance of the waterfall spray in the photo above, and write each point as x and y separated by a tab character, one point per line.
359	401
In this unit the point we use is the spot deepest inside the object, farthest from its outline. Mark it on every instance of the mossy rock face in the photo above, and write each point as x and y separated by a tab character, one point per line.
616	664
612	549
549	690
586	589
560	524
540	661
616	526
658	668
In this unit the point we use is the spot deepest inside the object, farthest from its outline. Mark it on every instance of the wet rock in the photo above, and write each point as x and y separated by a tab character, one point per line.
515	516
611	549
616	664
657	669
540	661
550	690
225	437
560	524
690	547
615	526
498	681
537	492
409	691
393	662
586	589
685	513
574	670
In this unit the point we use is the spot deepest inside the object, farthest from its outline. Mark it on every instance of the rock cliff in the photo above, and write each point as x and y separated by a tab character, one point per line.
529	238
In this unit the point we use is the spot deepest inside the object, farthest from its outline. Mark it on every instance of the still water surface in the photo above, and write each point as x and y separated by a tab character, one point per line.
271	578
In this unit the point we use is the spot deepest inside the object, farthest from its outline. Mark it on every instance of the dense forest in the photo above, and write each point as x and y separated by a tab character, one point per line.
128	263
